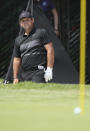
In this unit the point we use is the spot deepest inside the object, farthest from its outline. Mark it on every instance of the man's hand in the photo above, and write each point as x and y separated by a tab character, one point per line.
57	32
48	74
15	81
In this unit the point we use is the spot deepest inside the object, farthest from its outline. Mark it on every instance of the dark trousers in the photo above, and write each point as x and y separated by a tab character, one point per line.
33	75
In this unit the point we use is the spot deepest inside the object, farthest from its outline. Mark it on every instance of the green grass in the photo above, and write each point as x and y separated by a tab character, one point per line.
42	107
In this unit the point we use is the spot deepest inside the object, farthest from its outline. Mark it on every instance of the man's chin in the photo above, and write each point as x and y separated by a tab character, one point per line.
26	28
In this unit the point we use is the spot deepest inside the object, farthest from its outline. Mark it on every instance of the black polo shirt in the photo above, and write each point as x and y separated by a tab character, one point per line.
31	48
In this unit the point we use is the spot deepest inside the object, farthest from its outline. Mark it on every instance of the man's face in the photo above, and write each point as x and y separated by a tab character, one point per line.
27	23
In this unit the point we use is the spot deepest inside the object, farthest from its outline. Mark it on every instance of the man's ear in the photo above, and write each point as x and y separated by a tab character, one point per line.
33	20
20	24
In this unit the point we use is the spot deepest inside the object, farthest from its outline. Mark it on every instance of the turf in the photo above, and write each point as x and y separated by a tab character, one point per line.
42	107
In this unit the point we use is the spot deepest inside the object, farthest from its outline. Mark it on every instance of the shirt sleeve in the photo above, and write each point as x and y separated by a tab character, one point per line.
17	50
45	37
51	4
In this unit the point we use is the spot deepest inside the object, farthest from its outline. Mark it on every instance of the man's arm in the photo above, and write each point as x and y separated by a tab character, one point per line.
50	54
16	67
50	62
56	21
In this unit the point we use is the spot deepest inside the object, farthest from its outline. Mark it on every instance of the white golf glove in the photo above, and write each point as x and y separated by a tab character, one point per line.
48	74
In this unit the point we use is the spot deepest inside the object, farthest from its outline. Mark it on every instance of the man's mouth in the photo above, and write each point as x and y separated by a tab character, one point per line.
26	26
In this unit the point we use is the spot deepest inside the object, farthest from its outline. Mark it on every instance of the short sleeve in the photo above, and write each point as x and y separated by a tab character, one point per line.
51	4
45	37
17	50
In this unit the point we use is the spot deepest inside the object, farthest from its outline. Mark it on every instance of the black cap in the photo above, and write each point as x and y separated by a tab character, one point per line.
25	14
